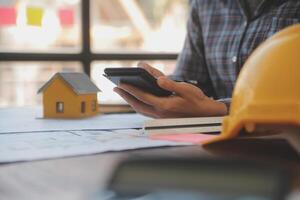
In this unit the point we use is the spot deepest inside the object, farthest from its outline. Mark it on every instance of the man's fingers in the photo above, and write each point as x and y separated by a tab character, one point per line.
144	109
153	71
145	97
180	88
137	105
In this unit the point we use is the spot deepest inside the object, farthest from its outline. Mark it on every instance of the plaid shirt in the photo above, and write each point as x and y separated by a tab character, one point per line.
222	34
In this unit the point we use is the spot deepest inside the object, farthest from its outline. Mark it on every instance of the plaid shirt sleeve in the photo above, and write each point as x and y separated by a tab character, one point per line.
221	36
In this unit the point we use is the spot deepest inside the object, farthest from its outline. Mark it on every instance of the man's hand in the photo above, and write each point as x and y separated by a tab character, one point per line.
187	100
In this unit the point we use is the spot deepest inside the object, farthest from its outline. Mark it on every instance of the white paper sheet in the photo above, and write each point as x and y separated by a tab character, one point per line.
46	145
183	125
28	119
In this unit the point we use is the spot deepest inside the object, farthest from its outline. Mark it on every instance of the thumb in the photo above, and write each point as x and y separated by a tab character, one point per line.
182	89
153	71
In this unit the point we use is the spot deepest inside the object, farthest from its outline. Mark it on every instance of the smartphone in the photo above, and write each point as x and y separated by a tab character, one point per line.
137	77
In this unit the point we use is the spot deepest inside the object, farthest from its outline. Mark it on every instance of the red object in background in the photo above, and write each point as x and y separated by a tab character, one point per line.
8	16
66	17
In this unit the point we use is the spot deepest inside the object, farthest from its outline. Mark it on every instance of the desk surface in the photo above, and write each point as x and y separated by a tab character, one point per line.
80	177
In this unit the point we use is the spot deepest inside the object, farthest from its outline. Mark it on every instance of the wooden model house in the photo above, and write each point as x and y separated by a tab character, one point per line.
69	95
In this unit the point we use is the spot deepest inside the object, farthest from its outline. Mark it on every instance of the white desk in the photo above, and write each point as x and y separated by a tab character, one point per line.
80	177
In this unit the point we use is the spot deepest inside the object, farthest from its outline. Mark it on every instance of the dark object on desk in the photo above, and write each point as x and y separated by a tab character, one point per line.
210	178
137	77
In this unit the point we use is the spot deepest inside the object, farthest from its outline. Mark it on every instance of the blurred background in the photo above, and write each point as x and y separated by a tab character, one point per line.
41	37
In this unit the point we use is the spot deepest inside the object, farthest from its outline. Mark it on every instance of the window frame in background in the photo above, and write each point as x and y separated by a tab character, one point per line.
86	56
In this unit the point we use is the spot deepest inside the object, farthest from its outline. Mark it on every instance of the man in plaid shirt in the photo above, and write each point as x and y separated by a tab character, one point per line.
221	34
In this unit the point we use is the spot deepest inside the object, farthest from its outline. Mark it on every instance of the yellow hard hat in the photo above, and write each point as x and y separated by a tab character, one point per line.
267	91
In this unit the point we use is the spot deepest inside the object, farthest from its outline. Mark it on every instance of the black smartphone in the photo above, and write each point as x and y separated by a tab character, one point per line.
137	77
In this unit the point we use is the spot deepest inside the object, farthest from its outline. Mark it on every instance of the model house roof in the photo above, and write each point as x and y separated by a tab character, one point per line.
80	83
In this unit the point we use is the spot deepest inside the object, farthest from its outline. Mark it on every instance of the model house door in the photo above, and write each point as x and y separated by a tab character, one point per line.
83	107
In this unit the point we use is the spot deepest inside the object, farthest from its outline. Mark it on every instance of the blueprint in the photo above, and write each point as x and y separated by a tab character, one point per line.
56	144
29	119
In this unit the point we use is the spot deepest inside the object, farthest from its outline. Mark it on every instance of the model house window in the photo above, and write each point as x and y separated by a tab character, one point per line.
94	105
59	107
83	107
